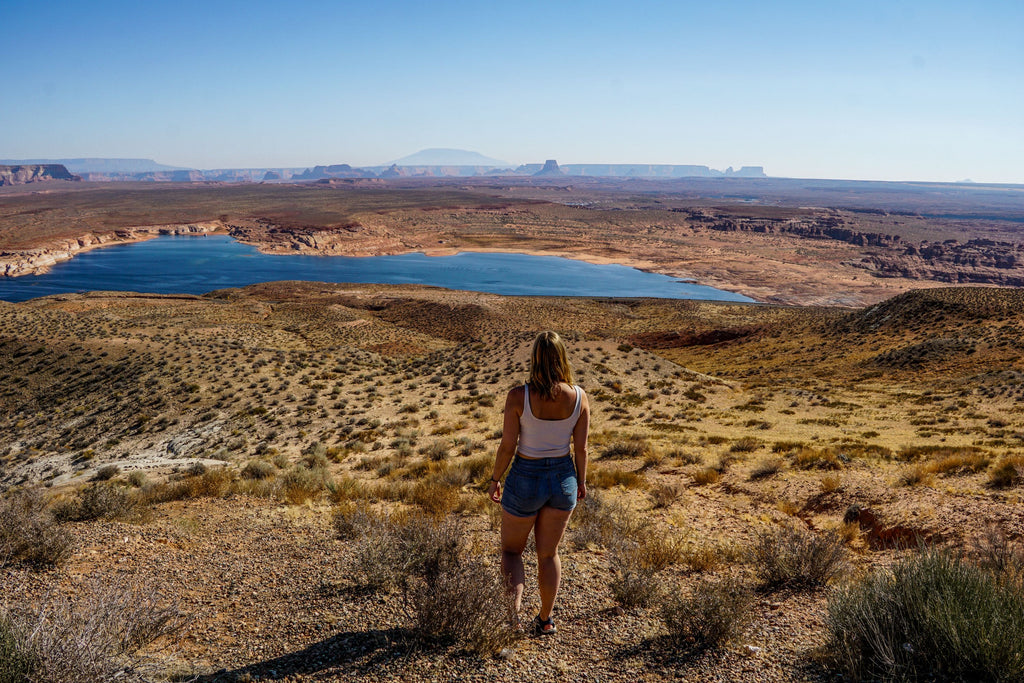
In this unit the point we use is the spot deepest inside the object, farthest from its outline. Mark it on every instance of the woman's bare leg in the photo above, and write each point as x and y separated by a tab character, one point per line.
515	531
551	525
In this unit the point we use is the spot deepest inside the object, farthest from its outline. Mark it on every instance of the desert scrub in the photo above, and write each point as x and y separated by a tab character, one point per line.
29	533
933	615
705	475
1006	473
629	448
765	468
714	613
663	495
796	558
449	595
98	501
94	638
636	562
747	444
607	477
259	470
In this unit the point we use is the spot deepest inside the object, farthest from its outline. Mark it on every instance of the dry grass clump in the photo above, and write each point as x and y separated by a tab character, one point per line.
434	497
796	558
607	477
915	475
93	638
635	447
301	484
932	616
960	464
1007	472
664	495
435	450
763	469
830	483
713	614
29	533
259	470
200	483
706	475
746	444
450	595
814	459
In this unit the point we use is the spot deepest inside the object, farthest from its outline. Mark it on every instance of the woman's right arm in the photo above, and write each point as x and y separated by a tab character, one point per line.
509	441
580	433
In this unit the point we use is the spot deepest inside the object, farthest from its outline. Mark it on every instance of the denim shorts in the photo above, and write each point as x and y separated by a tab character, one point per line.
534	483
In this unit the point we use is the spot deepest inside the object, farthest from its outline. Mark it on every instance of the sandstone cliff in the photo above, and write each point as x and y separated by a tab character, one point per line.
39	260
19	175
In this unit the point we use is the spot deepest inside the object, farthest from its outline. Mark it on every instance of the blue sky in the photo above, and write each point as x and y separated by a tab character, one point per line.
875	90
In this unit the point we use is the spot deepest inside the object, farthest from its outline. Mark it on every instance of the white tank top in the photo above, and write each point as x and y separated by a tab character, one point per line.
546	438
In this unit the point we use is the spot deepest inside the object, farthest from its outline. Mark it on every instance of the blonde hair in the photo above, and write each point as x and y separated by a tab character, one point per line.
549	364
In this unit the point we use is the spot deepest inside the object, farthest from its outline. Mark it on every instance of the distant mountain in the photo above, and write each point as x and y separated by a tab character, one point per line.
96	165
447	157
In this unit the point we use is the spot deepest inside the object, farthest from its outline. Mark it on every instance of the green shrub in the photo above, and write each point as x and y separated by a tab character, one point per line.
797	558
932	616
714	613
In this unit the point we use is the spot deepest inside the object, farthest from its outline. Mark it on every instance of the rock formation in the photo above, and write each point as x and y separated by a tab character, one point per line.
550	168
19	175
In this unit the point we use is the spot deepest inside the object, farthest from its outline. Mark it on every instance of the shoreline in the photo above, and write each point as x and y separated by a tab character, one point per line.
752	283
39	260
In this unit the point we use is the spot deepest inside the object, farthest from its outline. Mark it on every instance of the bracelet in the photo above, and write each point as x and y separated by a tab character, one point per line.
496	481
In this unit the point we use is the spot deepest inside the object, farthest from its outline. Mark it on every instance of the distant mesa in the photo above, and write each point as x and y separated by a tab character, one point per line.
550	168
84	166
440	156
34	173
332	171
427	163
641	171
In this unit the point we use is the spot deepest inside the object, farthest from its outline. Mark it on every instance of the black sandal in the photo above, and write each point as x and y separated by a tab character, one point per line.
544	627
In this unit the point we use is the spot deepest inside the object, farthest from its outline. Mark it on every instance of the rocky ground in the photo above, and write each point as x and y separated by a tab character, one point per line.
713	424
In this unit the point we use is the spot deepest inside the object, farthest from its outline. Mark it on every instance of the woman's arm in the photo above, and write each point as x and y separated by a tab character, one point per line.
509	441
579	444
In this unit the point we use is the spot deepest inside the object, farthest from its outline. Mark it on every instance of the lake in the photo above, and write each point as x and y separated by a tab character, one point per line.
196	265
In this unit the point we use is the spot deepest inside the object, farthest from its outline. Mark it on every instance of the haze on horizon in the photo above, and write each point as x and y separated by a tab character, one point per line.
909	90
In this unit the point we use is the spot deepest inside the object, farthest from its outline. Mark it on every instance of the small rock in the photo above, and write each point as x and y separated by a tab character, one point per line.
618	611
506	653
750	650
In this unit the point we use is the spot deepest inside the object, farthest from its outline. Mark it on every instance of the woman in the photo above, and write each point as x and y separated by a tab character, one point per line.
545	482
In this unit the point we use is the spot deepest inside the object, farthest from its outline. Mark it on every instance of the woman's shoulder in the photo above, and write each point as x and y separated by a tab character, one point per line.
516	394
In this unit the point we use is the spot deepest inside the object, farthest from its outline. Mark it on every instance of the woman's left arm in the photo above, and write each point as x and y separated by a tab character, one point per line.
580	433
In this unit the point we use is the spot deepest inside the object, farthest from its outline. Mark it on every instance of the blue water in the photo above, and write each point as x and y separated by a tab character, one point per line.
196	265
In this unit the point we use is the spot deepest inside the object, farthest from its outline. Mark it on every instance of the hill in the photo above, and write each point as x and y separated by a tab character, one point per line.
440	156
236	448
